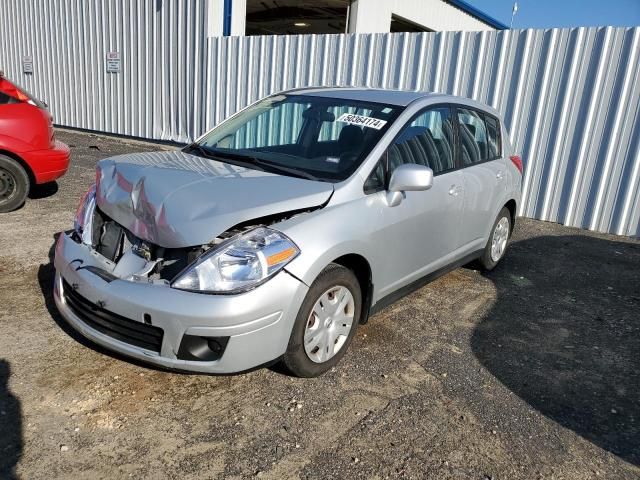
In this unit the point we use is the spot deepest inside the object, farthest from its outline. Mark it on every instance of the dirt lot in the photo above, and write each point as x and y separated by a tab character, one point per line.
529	372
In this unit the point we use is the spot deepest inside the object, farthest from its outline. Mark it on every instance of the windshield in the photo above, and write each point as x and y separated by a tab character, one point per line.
306	136
14	91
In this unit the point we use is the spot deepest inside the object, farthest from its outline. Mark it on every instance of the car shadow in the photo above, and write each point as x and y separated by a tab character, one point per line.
564	335
11	442
43	190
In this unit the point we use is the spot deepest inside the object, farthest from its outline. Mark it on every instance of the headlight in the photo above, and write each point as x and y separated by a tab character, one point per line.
242	263
83	222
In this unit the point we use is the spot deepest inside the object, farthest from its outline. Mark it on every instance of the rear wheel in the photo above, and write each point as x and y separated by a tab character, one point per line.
326	323
498	240
14	184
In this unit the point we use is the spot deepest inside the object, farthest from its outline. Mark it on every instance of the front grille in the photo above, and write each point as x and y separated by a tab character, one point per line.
112	324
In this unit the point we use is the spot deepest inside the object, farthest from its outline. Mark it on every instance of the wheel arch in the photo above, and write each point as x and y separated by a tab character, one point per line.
512	207
360	267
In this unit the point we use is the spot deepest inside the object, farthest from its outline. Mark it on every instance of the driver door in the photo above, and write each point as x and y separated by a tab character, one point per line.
421	234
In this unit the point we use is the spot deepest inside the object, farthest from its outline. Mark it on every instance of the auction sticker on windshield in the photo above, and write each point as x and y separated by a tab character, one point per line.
369	122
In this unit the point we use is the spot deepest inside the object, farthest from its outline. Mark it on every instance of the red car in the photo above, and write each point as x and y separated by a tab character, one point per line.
29	153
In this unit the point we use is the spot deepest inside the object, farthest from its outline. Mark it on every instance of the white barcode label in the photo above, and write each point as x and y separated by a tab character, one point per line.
363	121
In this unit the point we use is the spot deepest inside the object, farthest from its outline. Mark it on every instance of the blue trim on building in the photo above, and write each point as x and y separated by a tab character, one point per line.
480	15
226	23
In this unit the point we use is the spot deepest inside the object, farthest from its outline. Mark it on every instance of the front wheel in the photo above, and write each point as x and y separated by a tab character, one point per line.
498	240
14	184
326	323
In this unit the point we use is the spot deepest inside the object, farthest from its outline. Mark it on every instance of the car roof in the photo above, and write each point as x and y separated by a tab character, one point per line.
400	98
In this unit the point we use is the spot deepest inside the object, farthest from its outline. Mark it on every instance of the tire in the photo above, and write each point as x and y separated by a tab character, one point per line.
332	284
492	252
14	184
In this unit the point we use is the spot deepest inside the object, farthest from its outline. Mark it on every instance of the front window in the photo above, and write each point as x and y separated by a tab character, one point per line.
300	135
427	140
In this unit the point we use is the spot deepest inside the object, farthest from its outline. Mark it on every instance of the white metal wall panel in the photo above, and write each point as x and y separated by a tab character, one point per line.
162	45
570	97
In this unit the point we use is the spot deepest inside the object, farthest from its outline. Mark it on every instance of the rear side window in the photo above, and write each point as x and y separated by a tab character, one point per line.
493	137
474	144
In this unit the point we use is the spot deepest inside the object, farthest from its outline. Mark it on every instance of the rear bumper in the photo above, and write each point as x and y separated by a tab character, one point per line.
49	164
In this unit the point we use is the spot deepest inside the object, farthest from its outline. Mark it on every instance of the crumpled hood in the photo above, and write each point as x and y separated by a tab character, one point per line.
174	199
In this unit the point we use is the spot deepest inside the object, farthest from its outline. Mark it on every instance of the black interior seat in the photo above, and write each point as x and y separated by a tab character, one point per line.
470	149
445	146
397	153
419	154
435	161
351	137
350	143
410	132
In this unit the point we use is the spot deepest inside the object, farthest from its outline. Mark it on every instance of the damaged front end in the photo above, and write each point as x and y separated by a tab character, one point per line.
236	260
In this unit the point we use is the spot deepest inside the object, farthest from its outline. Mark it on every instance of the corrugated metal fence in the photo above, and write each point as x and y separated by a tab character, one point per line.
162	46
570	97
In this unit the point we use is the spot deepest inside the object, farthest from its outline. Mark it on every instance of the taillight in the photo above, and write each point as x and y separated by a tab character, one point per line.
517	161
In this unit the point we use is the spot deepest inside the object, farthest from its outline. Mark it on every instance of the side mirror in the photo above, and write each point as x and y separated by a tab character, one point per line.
407	178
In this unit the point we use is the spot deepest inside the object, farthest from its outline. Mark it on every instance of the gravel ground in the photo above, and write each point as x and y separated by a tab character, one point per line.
531	371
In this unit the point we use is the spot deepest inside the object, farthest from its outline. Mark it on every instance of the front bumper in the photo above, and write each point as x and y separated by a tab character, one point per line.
258	323
49	164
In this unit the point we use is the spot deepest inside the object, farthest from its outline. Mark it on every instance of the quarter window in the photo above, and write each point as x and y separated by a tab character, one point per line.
473	137
493	135
376	180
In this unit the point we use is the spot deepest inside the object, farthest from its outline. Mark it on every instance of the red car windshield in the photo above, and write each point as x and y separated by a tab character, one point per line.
17	93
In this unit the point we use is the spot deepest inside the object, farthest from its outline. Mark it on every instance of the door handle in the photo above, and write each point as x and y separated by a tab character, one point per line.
500	175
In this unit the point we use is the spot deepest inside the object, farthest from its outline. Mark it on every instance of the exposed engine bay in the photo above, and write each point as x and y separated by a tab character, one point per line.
136	259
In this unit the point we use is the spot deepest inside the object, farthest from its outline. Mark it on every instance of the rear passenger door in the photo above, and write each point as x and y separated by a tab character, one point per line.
483	172
420	234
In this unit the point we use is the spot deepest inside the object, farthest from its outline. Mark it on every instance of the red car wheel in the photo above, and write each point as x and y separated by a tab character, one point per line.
14	184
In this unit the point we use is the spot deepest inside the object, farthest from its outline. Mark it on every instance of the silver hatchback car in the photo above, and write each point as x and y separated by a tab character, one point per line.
280	230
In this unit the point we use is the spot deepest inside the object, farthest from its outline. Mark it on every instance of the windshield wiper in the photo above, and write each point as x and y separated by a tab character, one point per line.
293	171
241	160
265	163
204	152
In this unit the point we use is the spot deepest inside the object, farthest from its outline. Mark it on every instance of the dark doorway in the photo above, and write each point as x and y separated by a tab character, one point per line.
399	24
291	17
